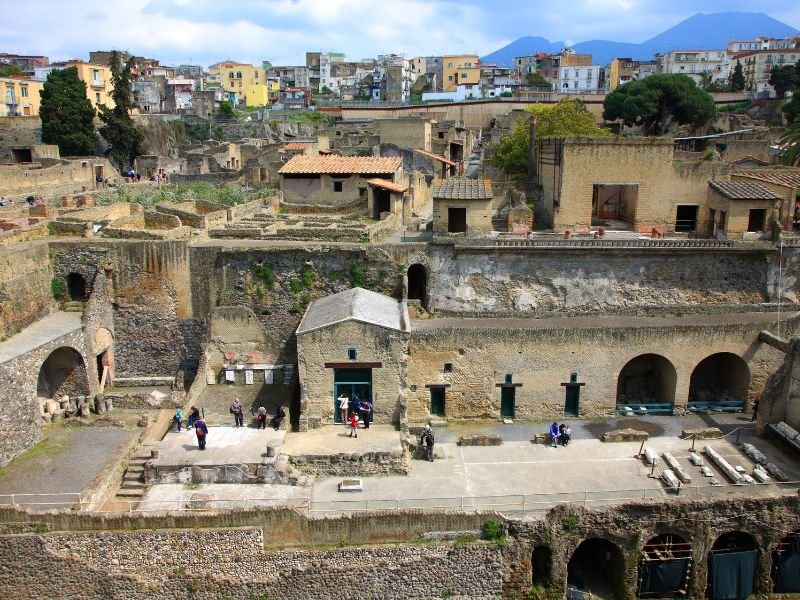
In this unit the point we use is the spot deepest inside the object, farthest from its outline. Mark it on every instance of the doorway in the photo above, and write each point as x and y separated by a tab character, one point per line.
381	203
418	284
757	219
686	218
354	383
507	402
437	401
76	286
614	202
572	400
456	220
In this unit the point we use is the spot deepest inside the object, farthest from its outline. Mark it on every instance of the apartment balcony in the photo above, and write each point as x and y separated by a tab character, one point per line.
97	84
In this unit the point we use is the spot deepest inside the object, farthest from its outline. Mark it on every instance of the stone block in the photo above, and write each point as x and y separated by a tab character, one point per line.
701	433
625	435
480	440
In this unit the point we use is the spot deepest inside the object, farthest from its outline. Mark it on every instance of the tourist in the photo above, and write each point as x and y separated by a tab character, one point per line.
194	416
178	418
236	411
344	402
755	408
427	440
565	433
366	409
355	405
353	424
262	417
554	434
3	201
280	414
201	430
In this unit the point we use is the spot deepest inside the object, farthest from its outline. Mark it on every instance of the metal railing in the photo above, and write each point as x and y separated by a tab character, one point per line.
61	501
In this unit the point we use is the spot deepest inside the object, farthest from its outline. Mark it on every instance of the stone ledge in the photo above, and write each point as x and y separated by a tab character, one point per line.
625	435
480	440
701	433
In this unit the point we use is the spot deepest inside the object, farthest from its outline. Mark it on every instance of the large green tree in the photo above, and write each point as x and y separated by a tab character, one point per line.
784	79
737	78
658	101
66	113
123	136
562	119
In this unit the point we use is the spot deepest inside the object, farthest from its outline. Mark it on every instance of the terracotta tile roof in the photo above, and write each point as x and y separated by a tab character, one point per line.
295	146
364	165
459	188
750	158
388	185
787	176
741	190
438	157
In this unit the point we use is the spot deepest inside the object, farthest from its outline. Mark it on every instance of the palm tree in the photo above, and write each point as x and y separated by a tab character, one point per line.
791	144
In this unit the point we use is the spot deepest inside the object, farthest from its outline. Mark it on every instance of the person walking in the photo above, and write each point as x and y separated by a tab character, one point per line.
194	416
353	424
554	434
344	402
201	430
427	440
178	418
262	417
756	402
238	415
280	414
366	410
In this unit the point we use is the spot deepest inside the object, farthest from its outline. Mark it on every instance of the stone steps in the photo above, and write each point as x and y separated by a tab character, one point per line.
133	486
74	306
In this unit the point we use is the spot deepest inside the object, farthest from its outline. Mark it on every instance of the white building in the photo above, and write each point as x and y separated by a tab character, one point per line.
698	64
579	80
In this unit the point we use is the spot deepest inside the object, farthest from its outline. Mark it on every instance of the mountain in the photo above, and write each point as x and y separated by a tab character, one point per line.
699	32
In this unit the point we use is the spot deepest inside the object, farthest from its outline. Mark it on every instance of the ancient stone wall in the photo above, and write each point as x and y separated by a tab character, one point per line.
25	292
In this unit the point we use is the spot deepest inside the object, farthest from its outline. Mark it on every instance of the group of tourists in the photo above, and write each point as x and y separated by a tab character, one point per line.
355	411
197	422
560	434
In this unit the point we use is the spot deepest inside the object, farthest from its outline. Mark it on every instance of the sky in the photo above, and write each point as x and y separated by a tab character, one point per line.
281	31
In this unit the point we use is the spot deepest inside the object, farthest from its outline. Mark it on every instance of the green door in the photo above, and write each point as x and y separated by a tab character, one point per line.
354	383
573	399
507	397
437	401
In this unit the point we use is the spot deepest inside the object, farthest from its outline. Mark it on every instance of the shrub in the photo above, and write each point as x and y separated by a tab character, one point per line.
357	276
295	284
308	277
266	274
492	530
57	288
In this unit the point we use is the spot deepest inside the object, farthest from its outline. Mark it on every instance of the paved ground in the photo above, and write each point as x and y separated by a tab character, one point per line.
226	444
335	439
43	331
222	496
64	463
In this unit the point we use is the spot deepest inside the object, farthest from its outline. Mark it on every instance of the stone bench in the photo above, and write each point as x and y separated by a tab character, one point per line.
625	435
480	440
787	433
701	433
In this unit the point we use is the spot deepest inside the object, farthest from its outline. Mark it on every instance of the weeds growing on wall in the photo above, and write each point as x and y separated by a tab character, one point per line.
266	274
493	531
57	288
227	195
358	276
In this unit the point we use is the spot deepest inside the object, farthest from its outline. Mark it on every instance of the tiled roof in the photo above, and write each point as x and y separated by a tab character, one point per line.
787	176
740	190
332	164
388	185
750	158
459	188
438	157
295	146
356	304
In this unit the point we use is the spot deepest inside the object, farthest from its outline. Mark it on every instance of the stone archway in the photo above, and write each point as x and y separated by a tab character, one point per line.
786	565
76	287
647	379
598	567
732	565
418	284
720	377
63	373
665	567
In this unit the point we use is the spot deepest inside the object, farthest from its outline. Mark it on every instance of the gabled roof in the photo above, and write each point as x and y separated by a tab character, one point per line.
356	304
741	190
459	188
790	177
750	158
438	157
295	146
332	164
387	185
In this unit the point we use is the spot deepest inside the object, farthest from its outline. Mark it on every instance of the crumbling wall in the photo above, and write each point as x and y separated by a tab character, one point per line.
25	290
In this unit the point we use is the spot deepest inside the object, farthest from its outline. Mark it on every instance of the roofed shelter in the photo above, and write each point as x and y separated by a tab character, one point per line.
462	205
738	207
353	343
784	182
342	182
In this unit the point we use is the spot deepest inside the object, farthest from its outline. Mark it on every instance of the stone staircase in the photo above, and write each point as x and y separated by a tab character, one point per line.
74	306
133	486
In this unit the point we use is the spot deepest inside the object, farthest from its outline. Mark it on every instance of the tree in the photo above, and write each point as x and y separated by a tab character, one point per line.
123	136
66	113
10	70
226	108
655	102
737	79
562	119
791	143
784	79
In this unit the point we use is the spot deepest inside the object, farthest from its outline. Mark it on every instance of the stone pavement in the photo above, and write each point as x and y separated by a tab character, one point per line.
176	496
226	445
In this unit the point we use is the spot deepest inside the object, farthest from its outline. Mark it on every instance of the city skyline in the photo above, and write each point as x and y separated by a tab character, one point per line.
204	31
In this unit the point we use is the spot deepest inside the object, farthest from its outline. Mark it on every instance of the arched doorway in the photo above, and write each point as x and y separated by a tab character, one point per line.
418	284
721	377
597	566
76	287
665	567
63	373
786	565
541	566
645	380
732	566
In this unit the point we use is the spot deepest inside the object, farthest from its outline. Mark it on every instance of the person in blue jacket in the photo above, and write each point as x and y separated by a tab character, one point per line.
554	434
201	429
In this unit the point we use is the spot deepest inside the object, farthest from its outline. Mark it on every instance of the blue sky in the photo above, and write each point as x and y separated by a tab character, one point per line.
204	31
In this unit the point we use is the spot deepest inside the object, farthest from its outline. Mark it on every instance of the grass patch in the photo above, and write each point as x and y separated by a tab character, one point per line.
57	288
358	276
265	274
464	540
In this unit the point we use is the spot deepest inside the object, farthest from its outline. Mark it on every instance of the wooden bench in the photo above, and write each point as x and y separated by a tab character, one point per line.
648	408
787	434
720	406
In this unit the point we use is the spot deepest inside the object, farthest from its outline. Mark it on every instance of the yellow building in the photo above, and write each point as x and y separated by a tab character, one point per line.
458	70
20	97
257	95
97	79
235	78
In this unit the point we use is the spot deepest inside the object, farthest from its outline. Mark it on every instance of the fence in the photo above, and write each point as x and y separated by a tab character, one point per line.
509	503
